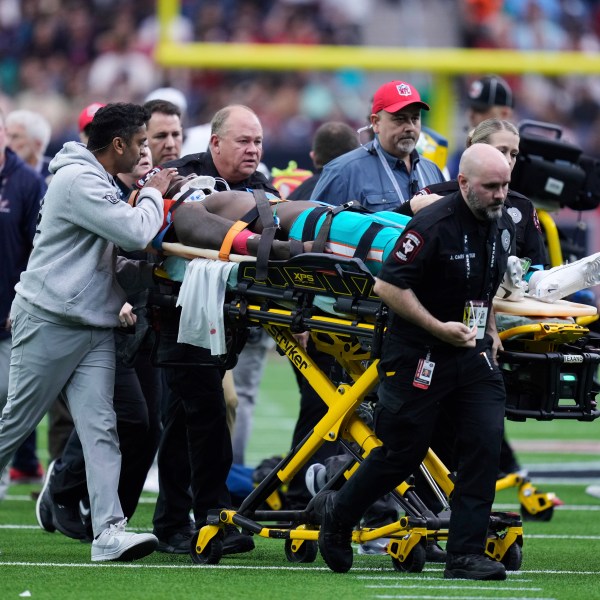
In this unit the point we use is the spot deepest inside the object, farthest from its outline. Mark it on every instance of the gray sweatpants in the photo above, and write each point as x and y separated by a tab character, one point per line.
4	367
47	358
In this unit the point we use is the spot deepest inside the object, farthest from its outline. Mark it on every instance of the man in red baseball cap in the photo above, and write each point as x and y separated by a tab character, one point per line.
386	173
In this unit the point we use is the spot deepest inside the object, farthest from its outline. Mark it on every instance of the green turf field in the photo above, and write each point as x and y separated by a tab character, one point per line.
561	558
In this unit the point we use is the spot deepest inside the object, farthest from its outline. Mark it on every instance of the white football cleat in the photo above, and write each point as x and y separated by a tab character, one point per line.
558	282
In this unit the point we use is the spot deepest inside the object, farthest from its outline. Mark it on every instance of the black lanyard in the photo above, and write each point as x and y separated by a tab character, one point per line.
486	288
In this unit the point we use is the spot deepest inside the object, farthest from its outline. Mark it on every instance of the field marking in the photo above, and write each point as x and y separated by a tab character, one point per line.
462	597
573	507
228	567
406	577
557	446
558	536
402	585
529	536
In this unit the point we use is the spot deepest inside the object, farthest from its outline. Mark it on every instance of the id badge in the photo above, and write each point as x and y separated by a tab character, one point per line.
476	314
424	373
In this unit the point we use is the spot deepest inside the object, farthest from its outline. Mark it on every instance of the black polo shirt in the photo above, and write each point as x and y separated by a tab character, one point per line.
447	257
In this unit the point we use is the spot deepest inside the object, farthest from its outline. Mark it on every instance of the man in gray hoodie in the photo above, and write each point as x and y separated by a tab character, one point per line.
67	303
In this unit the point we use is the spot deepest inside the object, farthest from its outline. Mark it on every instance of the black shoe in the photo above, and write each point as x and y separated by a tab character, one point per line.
68	522
43	506
335	536
176	543
236	542
473	566
434	554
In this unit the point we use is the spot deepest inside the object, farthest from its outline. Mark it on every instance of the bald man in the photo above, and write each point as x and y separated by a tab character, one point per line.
439	350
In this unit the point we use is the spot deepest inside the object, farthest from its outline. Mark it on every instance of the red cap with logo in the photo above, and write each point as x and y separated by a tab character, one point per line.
86	116
395	95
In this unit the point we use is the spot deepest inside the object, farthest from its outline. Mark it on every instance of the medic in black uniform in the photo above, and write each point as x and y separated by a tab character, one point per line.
439	351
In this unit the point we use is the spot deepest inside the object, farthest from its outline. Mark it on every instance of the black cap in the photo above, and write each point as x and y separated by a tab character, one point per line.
490	90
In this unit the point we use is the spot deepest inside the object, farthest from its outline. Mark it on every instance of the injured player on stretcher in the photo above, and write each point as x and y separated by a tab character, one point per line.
248	223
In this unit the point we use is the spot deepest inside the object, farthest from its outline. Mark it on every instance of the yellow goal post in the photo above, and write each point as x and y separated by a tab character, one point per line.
442	64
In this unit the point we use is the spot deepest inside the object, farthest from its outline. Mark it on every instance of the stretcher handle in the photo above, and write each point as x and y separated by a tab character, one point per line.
177	249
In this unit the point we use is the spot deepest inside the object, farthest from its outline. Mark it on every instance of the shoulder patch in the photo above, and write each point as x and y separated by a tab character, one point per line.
112	198
408	246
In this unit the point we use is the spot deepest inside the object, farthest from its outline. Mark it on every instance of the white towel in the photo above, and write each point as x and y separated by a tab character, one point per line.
201	299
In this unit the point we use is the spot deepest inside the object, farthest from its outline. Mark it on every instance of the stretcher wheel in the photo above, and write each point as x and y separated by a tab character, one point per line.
543	515
513	558
414	562
306	553
212	553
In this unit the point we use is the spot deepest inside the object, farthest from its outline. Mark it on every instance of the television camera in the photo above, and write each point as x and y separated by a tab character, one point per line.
554	173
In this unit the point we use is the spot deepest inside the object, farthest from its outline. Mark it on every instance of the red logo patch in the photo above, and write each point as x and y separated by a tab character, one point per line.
408	246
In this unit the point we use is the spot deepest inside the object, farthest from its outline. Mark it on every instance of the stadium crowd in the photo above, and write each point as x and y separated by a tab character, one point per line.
57	56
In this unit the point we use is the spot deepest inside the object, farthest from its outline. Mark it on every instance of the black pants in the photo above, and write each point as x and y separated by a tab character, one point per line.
136	402
25	458
404	421
195	448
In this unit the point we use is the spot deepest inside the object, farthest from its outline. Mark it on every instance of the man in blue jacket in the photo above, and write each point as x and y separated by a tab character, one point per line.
21	191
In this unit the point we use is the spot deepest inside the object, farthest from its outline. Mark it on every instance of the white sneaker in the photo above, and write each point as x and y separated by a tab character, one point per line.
373	547
115	543
558	282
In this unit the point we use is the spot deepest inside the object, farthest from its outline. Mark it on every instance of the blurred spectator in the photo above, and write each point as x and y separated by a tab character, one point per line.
331	140
28	135
489	97
121	70
21	191
534	28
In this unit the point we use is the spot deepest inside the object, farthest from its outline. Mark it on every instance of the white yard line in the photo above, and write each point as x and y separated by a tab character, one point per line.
229	567
411	597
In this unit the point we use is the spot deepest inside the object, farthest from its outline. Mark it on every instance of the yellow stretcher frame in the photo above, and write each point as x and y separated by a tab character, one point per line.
351	340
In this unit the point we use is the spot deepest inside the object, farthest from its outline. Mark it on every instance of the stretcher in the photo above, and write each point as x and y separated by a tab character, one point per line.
333	300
